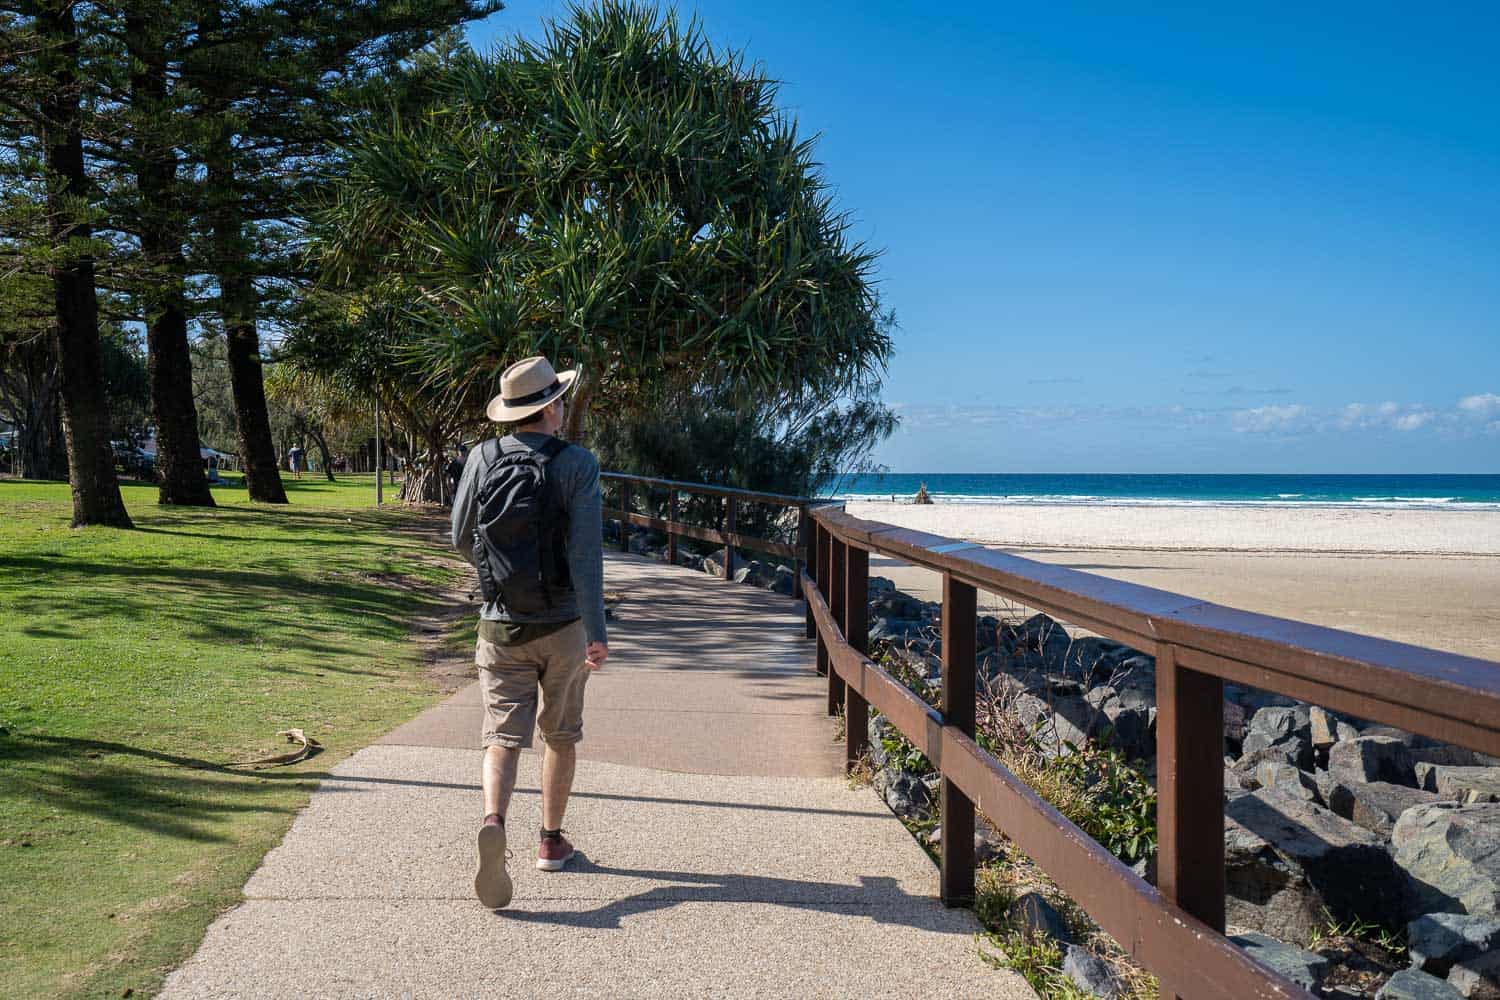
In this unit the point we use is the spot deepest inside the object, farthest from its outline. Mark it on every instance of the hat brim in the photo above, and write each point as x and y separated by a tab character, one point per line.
500	413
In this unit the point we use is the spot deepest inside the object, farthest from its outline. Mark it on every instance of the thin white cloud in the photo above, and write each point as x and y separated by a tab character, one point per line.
1413	421
1388	415
1468	416
1483	405
1286	419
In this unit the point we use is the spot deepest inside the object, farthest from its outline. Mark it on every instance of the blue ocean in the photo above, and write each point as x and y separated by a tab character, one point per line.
1427	492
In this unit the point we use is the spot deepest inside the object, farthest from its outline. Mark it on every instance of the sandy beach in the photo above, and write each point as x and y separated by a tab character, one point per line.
1425	577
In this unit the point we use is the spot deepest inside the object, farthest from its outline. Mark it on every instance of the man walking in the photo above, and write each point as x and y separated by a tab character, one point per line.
526	514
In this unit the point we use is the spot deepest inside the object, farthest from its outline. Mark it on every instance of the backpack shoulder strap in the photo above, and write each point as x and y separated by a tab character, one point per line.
491	450
552	448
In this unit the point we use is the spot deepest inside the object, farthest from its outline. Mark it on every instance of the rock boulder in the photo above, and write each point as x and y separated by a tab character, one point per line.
1459	783
907	795
1277	723
1292	751
1414	984
1287	860
1372	758
1032	914
1477	978
1451	856
1056	721
1091	973
1377	805
1305	968
1287	779
1131	728
1439	940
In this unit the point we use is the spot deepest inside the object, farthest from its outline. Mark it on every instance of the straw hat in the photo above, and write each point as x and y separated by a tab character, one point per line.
526	387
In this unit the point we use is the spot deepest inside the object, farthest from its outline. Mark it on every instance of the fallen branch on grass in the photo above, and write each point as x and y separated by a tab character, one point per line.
308	747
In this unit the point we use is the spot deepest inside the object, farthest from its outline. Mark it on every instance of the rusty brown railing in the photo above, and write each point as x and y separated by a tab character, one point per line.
727	537
1176	929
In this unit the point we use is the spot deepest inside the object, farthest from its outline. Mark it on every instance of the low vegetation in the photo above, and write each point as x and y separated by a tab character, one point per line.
138	665
1099	789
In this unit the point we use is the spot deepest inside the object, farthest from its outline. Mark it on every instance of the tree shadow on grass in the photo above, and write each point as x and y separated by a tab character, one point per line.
158	792
210	605
339	528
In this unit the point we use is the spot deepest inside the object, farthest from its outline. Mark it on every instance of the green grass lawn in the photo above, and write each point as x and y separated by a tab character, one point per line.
135	664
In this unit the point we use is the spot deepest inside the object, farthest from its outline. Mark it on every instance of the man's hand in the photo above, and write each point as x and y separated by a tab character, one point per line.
596	654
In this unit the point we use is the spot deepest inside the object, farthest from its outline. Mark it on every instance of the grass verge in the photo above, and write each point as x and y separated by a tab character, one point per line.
134	665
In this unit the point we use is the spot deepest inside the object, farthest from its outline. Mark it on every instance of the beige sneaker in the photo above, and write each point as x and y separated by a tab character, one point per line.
493	885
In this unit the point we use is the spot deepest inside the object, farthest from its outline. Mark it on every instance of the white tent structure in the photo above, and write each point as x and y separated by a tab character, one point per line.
213	459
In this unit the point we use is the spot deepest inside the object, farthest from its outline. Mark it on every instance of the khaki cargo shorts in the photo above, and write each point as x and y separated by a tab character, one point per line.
511	676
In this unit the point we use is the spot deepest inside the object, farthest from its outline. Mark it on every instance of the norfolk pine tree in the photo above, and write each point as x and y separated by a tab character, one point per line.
43	83
278	85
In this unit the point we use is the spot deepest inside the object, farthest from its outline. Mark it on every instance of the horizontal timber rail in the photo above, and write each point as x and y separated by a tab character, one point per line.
727	536
1176	930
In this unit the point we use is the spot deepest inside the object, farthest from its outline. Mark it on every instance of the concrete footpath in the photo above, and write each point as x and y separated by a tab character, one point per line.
721	852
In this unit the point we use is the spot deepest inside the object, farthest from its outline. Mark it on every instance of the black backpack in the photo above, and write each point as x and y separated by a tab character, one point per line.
521	528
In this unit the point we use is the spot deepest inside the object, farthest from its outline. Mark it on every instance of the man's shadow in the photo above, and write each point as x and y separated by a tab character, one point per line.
878	897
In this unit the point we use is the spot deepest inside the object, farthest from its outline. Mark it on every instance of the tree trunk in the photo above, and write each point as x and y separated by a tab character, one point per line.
57	448
34	438
39	448
578	410
32	460
318	439
91	460
237	307
179	465
424	476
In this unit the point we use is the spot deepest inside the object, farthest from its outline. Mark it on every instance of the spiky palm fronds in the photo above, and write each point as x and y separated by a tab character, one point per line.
618	194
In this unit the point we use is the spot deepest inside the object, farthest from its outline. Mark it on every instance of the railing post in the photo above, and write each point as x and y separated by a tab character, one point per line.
820	560
836	583
959	610
801	546
729	526
857	631
807	538
1190	790
624	516
671	529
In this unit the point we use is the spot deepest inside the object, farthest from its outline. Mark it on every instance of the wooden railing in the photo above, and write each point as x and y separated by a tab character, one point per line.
727	536
1175	929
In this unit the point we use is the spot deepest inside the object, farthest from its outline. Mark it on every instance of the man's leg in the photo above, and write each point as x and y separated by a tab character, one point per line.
509	687
558	764
563	680
497	776
499	779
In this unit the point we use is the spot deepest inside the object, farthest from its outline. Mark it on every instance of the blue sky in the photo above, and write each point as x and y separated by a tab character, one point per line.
1259	238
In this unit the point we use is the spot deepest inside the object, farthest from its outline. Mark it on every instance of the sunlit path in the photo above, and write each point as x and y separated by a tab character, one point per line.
721	851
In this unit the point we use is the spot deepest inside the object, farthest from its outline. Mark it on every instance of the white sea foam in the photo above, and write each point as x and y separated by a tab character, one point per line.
1297	500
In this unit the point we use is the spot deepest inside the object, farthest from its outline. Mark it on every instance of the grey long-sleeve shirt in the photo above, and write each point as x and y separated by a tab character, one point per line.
576	472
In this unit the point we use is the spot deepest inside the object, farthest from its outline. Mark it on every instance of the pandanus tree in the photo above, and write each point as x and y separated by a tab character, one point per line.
352	349
619	195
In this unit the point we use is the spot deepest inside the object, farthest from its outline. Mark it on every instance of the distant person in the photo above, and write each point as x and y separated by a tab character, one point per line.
455	470
527	515
294	461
